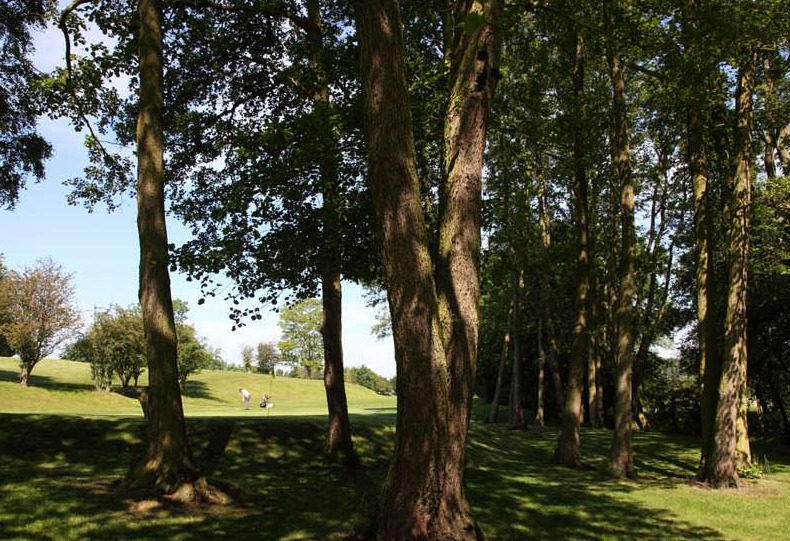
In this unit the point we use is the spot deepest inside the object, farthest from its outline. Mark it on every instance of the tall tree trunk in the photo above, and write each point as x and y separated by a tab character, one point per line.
725	452
500	376
594	378
168	459
434	321
492	417
517	419
710	358
540	408
339	443
621	456
568	448
553	359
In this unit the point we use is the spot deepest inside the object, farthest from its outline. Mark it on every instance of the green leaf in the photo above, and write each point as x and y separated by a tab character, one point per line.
473	22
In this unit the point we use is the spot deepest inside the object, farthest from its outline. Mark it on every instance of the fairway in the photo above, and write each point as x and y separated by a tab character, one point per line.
63	447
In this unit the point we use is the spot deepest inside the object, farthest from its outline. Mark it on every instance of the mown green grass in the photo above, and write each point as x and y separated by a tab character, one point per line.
65	388
58	473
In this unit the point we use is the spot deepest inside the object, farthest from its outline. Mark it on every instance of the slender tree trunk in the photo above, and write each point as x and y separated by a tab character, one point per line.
434	322
339	443
568	452
769	162
24	373
710	359
168	459
545	235
492	417
540	408
725	452
782	144
621	457
517	419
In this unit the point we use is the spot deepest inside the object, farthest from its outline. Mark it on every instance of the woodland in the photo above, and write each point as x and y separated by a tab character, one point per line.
578	211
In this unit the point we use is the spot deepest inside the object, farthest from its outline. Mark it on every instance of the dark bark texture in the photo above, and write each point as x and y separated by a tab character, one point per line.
167	462
434	317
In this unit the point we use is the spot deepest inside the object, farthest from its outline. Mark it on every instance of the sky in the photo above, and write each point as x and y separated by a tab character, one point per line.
100	250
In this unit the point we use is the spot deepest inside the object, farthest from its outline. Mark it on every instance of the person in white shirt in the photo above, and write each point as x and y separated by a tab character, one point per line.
245	398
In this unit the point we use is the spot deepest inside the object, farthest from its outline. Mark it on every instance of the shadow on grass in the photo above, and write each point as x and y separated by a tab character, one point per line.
197	389
45	382
58	475
517	494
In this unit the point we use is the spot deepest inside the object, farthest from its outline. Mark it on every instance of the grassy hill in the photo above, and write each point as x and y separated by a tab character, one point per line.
65	388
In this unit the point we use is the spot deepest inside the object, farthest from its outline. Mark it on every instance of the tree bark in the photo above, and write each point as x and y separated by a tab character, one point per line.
24	373
725	453
782	144
710	359
434	321
168	459
568	452
517	419
621	456
492	416
540	408
339	443
545	236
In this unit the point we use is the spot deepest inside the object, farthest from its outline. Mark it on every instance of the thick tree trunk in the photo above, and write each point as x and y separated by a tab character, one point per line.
621	456
167	462
568	452
434	324
725	452
339	443
474	73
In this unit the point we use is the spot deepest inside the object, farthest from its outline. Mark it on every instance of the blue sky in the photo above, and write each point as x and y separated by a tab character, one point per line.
100	249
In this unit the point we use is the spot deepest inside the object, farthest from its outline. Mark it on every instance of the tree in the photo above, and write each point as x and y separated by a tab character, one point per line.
621	456
267	357
5	348
300	343
168	463
247	358
37	312
434	316
22	149
114	346
194	354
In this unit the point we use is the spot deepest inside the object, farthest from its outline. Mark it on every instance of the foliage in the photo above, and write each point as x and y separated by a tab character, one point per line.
300	344
362	375
5	347
37	311
267	357
247	358
114	346
22	149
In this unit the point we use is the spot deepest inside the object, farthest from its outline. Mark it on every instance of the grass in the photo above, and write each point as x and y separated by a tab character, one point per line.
58	470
